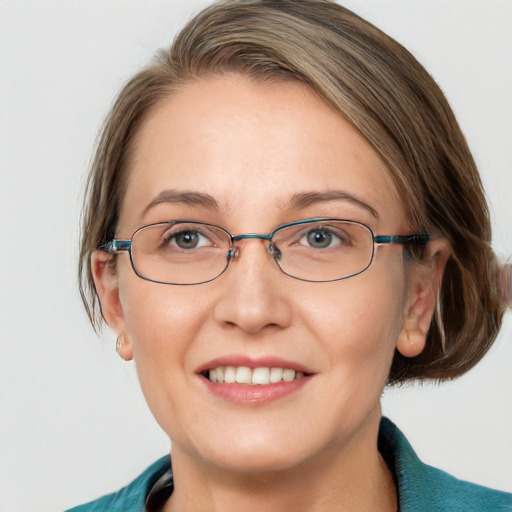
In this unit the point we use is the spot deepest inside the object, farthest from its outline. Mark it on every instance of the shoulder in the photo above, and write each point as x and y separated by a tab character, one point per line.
423	488
132	497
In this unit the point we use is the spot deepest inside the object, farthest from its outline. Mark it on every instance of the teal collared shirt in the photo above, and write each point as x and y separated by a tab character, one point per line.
421	488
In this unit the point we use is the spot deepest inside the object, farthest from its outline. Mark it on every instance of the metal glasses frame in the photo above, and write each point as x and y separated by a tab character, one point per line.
119	245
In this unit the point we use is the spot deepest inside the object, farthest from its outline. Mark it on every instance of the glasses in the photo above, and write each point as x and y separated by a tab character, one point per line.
319	250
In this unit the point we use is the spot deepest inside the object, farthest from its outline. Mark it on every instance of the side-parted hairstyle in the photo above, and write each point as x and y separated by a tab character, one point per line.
378	87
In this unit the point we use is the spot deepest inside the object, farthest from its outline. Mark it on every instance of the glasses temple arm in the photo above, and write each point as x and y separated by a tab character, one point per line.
116	245
403	239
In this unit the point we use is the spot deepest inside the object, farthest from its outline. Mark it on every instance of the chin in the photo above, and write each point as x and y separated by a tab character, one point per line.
254	454
256	463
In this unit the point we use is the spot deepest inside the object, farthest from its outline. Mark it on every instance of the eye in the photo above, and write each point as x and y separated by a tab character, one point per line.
186	239
323	238
319	238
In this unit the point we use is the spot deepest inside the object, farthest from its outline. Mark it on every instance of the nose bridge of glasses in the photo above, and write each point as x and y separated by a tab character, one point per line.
234	252
252	235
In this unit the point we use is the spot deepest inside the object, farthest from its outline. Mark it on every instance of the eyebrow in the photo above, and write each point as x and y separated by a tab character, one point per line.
299	200
304	199
184	197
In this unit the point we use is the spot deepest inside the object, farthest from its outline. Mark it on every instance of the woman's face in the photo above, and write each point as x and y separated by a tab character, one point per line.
253	154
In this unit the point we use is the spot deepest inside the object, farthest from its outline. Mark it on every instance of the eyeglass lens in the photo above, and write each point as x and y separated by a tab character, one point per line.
192	253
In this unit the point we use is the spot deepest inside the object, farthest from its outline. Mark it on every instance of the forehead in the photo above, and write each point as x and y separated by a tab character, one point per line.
252	147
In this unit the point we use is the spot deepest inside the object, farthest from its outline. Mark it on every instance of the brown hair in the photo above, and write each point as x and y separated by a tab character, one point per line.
380	88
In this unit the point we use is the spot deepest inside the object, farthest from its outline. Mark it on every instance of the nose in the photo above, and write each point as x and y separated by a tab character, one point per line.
273	250
255	296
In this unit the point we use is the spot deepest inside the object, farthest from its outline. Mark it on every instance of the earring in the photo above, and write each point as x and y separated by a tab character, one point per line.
119	344
124	347
410	342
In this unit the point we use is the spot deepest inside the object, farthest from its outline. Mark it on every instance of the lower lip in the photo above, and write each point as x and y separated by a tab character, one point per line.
249	393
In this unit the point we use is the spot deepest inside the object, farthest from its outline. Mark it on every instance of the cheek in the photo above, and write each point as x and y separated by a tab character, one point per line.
163	325
359	319
161	321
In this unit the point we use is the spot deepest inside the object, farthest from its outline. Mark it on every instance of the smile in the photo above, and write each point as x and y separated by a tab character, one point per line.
256	376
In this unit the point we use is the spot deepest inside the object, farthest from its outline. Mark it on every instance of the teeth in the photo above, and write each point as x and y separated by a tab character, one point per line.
260	376
219	374
288	375
245	375
229	375
276	374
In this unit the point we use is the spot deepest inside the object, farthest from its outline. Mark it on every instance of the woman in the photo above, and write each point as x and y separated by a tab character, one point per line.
283	217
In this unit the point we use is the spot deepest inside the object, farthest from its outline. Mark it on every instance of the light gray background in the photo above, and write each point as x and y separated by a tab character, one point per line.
73	422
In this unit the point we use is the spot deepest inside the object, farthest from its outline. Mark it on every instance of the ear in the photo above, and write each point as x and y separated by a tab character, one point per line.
424	281
106	282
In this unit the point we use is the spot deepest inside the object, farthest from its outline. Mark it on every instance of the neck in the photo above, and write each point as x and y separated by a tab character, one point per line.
347	478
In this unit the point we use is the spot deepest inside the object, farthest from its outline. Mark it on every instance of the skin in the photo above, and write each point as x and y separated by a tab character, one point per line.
252	147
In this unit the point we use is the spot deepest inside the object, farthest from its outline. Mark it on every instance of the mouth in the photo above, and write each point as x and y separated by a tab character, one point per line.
244	380
260	376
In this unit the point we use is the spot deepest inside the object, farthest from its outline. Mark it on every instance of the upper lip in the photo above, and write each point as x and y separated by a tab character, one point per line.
254	362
